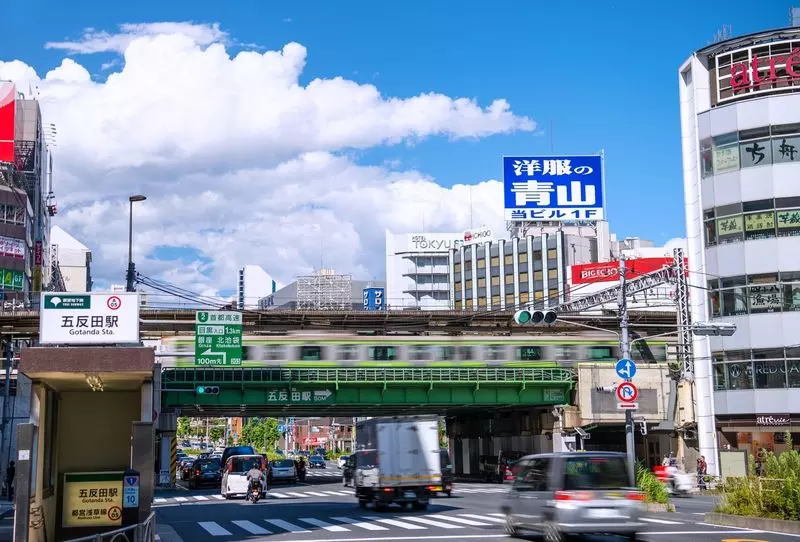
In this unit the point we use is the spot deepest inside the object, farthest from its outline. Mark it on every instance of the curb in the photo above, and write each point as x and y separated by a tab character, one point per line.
760	524
659	507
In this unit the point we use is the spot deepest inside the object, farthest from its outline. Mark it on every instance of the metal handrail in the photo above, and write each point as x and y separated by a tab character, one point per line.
140	532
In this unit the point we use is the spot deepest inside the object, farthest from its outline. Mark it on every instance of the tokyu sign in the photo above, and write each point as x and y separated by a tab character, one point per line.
89	318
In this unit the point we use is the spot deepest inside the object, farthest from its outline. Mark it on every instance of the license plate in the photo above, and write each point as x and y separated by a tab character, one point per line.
602	513
410	495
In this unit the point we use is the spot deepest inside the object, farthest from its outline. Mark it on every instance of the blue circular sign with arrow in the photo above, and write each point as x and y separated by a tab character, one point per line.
626	369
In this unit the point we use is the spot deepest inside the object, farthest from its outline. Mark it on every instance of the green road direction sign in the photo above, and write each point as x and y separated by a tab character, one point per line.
218	338
299	396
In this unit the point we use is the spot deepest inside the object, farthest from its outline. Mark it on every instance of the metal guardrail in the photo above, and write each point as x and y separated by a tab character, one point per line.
141	532
255	376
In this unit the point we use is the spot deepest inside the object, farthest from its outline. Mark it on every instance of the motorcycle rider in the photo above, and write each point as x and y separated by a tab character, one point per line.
255	478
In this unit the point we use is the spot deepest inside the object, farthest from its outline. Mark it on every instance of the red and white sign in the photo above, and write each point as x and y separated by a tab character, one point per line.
478	235
13	248
609	271
8	112
627	406
114	302
627	392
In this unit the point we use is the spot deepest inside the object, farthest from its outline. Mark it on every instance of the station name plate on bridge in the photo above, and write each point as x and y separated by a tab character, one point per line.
218	338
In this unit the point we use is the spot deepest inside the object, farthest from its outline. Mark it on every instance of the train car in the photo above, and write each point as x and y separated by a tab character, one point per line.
346	350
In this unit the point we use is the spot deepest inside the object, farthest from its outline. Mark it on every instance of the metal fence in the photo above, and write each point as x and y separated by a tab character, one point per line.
141	532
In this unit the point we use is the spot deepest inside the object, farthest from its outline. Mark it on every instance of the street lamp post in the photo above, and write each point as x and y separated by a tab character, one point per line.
131	275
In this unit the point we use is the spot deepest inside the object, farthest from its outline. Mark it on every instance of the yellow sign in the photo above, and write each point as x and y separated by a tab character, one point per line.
92	499
759	221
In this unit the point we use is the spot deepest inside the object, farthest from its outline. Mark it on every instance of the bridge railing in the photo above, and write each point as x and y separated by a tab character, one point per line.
361	375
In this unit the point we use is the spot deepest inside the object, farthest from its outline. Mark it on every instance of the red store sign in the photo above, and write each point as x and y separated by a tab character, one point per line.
609	271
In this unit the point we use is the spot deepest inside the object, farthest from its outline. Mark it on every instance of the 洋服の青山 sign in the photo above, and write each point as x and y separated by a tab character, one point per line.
761	71
609	271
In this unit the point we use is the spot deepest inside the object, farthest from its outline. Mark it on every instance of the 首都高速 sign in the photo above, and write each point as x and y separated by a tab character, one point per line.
90	318
218	338
92	499
553	188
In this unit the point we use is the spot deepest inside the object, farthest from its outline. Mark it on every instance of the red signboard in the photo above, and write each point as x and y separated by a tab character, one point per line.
8	93
609	271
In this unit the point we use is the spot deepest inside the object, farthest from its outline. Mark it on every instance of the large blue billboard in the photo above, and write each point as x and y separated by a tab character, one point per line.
373	299
553	188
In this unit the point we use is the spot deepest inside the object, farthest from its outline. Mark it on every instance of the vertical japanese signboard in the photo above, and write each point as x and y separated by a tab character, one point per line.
218	338
553	188
93	318
92	499
374	299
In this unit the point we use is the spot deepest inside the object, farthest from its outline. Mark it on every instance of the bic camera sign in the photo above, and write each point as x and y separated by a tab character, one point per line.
89	318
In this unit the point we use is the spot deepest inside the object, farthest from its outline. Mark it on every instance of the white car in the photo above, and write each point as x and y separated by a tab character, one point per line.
342	461
234	475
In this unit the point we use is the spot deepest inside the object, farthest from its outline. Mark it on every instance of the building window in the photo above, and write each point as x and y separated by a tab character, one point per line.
509	279
508	259
538	275
457	286
481	301
310	353
495	261
726	153
495	301
523	257
382	353
458	305
481	263
468	284
538	295
553	296
509	300
467	266
523	277
495	280
482	282
523	297
457	268
552	274
552	254
730	229
469	303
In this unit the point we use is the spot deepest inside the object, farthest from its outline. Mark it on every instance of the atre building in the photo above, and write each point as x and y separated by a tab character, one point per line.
740	127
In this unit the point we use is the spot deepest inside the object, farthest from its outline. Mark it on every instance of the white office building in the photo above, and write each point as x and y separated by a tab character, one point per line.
418	270
74	259
254	284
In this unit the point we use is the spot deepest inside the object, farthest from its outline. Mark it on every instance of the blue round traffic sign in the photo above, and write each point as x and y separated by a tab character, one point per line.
281	428
626	369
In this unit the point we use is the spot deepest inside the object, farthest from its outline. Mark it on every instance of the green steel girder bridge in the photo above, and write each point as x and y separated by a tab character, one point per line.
358	391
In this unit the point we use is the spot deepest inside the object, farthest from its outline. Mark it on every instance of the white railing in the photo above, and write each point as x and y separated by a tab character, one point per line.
141	532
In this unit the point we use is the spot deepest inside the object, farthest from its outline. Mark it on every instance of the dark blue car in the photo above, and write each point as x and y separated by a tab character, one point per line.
317	461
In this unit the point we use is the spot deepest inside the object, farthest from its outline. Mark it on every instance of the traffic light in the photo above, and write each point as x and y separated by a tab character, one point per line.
207	390
525	316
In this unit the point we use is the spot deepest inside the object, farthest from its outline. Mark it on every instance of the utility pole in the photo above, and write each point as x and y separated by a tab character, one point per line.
624	346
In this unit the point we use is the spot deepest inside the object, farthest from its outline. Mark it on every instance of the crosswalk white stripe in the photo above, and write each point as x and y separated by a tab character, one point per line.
181	499
200	498
469	522
396	523
159	499
324	525
484	518
296	494
332	493
315	494
349	493
279	495
214	529
495	514
439	524
250	527
361	524
286	526
467	490
661	521
218	497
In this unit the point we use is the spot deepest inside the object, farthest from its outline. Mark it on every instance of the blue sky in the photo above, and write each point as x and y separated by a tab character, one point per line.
603	73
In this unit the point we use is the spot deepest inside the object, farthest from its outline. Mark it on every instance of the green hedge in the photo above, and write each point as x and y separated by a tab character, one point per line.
654	490
775	495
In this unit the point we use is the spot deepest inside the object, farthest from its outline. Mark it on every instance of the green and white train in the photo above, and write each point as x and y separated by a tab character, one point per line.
355	350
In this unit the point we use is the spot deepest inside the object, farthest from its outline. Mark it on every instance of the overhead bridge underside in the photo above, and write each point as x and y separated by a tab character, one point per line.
357	391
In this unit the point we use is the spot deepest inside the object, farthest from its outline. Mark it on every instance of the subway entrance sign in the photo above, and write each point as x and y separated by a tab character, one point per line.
218	338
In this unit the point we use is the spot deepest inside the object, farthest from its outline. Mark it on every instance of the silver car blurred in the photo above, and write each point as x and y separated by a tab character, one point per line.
283	470
573	493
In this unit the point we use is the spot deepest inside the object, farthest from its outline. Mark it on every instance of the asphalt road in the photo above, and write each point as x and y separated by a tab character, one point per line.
324	510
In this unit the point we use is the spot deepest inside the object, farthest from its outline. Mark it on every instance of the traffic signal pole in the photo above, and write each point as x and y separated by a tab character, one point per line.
624	346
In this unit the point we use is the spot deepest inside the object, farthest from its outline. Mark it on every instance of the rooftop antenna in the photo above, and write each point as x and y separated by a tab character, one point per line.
724	33
470	207
794	16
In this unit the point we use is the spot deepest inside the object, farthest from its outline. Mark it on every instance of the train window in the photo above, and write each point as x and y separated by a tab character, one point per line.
495	352
565	352
418	352
600	353
529	353
273	352
446	353
249	353
382	353
310	353
659	352
465	353
347	352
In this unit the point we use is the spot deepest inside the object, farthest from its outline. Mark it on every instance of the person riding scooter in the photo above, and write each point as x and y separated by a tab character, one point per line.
300	467
255	479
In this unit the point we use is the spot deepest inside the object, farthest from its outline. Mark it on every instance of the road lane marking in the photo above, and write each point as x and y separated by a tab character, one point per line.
218	497
250	527
280	495
159	499
469	522
335	493
324	525
315	494
214	529
361	524
302	495
497	515
661	521
181	499
439	524
286	526
200	498
396	523
483	518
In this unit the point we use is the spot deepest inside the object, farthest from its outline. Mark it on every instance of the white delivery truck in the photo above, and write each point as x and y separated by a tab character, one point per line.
397	460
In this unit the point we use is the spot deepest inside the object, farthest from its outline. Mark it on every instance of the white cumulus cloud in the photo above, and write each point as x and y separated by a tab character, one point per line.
240	162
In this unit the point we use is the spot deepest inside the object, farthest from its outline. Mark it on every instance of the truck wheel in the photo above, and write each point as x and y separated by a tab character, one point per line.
380	506
417	505
362	503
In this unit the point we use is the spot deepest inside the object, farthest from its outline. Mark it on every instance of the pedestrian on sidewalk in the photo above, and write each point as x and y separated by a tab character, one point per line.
11	472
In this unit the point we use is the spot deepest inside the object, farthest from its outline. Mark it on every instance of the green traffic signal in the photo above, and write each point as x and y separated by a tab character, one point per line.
201	389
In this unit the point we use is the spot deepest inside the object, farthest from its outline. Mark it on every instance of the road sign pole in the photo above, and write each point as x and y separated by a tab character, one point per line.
624	346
